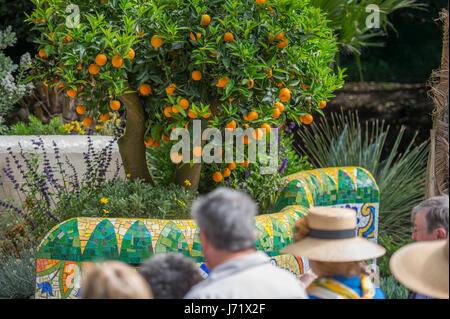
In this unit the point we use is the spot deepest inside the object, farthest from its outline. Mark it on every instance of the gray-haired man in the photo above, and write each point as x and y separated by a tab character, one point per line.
430	220
238	271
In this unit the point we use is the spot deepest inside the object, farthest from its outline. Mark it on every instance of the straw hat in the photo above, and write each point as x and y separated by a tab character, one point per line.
423	267
332	238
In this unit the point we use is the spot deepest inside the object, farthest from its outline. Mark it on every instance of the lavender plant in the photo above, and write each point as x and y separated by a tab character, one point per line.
11	89
45	185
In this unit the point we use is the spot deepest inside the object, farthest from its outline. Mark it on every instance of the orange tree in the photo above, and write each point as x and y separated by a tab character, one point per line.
232	63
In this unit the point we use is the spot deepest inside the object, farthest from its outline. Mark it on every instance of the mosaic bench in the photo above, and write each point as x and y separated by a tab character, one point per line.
76	243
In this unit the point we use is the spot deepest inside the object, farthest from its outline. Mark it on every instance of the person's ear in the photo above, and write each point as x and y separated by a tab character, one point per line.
441	233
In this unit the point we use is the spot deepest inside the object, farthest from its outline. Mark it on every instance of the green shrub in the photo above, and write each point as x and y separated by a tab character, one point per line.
36	127
341	141
128	199
18	274
11	91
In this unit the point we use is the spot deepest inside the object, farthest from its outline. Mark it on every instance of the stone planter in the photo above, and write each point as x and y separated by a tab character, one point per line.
72	146
74	244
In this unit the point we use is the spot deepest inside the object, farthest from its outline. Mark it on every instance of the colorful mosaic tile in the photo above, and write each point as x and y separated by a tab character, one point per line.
76	243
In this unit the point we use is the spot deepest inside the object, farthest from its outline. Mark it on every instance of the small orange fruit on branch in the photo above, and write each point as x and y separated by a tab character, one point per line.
81	109
114	105
196	75
101	59
284	95
156	41
228	37
117	61
206	20
145	89
94	69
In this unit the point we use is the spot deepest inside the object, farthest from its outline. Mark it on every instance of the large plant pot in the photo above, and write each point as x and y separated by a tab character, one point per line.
74	244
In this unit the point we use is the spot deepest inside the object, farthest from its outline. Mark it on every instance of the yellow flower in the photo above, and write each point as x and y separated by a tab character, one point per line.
128	175
65	183
104	200
105	211
187	182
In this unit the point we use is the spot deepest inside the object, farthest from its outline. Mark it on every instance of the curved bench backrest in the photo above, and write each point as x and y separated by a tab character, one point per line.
73	244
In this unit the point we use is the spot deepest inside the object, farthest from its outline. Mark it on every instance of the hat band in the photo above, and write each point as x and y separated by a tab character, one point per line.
332	234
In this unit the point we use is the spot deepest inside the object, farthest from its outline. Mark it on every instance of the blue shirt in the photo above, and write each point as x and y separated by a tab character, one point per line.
355	284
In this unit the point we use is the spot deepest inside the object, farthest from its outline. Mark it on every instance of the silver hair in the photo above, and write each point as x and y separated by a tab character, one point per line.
227	218
436	214
170	275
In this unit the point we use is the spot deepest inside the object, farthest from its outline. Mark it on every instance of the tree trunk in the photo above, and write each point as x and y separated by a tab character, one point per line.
131	144
438	162
188	176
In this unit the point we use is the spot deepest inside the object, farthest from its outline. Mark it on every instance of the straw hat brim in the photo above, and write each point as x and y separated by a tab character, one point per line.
422	267
336	250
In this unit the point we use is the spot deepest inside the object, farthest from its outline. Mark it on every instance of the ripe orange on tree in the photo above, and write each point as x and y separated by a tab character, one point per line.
176	157
306	119
260	2
184	104
322	104
145	89
206	116
232	166
284	95
94	69
245	163
228	37
149	142
252	83
196	75
171	89
42	54
231	125
71	92
266	127
104	117
206	20
222	82
197	151
87	121
165	138
81	109
192	115
101	59
280	106
226	172
195	36
117	61
114	105
283	43
156	144
174	110
252	116
156	41
217	177
276	113
258	133
131	53
167	111
280	36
